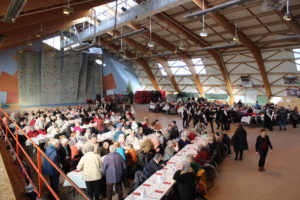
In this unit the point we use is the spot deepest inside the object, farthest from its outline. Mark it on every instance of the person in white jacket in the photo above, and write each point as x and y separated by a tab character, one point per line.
91	165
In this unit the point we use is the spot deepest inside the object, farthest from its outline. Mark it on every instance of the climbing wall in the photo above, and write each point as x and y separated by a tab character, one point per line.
29	78
47	79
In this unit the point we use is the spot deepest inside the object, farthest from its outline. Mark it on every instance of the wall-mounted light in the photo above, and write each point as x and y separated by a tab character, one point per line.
98	61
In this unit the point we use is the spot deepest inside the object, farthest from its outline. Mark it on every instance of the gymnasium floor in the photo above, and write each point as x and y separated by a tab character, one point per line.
240	180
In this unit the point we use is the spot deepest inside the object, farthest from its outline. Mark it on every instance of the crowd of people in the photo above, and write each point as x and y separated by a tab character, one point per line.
201	111
137	149
135	146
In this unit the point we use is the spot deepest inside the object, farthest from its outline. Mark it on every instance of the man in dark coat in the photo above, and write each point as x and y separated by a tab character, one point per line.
113	169
282	117
153	165
239	142
48	169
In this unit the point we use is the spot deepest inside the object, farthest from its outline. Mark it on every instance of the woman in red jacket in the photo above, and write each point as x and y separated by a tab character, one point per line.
262	146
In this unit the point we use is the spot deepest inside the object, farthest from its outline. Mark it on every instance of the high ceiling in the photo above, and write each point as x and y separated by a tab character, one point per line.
258	55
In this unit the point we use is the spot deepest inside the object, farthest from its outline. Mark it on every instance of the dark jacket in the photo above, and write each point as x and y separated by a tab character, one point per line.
239	139
52	153
282	114
260	143
113	167
152	167
186	185
182	143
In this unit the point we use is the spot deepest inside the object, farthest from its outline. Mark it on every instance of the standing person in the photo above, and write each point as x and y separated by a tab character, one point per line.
209	117
294	117
113	168
218	116
91	165
239	142
225	126
48	169
282	117
262	146
185	118
185	179
65	154
268	119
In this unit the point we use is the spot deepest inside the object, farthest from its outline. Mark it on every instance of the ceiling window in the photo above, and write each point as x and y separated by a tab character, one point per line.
297	58
199	66
55	42
162	70
107	11
179	68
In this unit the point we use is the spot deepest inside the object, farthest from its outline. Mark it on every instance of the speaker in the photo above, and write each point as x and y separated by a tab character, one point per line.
98	97
245	78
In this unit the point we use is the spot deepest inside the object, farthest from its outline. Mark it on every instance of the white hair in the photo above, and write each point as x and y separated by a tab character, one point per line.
64	140
55	141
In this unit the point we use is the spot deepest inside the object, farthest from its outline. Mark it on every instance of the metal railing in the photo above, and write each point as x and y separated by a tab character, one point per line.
17	148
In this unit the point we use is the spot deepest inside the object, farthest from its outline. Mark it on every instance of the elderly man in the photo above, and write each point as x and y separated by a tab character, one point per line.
91	165
153	165
65	154
113	168
92	142
48	169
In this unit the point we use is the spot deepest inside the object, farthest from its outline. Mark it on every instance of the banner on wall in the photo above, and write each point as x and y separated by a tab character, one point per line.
293	92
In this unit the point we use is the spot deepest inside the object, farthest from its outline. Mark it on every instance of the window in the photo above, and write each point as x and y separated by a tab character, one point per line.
107	11
55	42
297	58
179	68
162	70
199	66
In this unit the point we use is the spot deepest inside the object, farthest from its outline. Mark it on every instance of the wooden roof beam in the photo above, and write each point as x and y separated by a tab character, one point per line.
186	58
141	61
145	50
244	40
197	40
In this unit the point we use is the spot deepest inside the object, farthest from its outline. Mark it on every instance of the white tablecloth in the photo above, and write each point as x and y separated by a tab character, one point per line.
247	119
39	139
160	183
77	178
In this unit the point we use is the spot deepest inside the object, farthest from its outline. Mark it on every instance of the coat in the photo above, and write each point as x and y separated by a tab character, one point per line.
259	143
91	165
113	167
186	185
239	139
47	168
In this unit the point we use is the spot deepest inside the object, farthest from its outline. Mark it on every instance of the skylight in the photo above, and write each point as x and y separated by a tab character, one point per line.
199	66
55	42
162	70
297	58
107	11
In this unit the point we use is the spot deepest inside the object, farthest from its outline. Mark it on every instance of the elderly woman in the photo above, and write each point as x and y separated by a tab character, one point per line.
185	179
183	141
131	139
64	151
169	150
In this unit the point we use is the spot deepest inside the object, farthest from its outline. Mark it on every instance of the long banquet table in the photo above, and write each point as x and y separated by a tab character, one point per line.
161	182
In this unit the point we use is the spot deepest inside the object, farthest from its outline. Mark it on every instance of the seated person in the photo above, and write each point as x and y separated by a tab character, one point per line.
153	165
104	150
194	165
183	141
170	150
203	155
131	157
131	138
120	150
